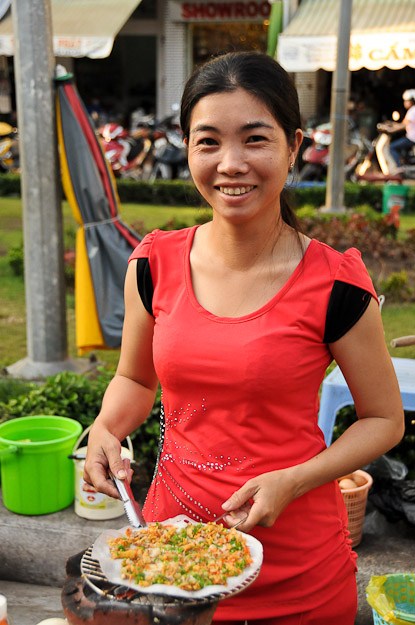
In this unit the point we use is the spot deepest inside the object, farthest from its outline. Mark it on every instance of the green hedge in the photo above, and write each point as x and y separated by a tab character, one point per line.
9	184
79	397
180	193
355	194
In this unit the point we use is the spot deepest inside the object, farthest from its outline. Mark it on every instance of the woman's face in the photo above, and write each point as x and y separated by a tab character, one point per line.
239	156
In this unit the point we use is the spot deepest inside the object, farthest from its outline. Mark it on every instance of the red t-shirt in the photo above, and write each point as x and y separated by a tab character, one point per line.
240	398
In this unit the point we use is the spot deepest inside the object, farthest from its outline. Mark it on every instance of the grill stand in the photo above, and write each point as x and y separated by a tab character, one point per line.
82	606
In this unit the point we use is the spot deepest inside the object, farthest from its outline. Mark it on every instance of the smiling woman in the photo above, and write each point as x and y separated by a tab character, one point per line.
239	319
239	155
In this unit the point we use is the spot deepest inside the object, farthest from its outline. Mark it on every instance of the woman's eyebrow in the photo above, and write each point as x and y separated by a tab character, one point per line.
203	128
247	126
258	124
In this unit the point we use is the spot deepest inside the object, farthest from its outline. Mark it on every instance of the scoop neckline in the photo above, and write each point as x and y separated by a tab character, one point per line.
256	313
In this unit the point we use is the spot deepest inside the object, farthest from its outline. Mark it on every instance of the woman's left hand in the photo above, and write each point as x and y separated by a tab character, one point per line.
363	357
262	498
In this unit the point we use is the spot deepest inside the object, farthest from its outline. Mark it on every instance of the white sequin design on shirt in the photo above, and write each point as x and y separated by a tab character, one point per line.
209	463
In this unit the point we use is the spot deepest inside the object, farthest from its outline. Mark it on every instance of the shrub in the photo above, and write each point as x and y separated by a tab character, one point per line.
174	224
9	184
15	258
11	388
79	397
184	193
66	394
396	286
167	192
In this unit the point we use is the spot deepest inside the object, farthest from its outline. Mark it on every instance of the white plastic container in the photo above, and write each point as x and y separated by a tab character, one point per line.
90	504
3	610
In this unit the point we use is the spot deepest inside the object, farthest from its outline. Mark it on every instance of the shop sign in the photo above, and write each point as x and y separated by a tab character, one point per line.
307	54
93	47
245	11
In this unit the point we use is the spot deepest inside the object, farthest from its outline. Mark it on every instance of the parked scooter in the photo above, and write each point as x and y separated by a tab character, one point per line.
170	153
316	156
379	164
127	153
9	148
149	151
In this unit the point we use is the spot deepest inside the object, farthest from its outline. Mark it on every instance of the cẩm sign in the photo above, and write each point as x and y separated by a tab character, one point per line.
373	51
242	11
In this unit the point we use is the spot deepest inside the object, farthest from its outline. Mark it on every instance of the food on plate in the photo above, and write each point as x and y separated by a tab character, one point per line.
189	557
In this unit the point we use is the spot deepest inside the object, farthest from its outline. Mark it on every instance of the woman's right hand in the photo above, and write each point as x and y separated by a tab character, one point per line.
103	454
130	395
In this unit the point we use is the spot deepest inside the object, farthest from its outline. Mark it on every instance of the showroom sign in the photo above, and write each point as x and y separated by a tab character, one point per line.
247	11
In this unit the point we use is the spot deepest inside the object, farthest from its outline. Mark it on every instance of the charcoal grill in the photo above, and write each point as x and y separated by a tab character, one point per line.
89	598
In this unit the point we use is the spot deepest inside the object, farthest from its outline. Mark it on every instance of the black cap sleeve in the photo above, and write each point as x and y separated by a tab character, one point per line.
347	304
145	284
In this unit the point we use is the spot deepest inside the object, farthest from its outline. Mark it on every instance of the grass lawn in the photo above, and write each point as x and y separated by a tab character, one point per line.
131	214
12	291
399	319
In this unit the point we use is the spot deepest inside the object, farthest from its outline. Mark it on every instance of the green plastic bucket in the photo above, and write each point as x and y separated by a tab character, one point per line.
394	195
37	477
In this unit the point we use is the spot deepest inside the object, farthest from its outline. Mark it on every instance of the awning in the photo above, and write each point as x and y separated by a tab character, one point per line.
80	27
382	35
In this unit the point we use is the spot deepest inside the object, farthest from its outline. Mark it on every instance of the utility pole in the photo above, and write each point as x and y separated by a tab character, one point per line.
338	112
42	213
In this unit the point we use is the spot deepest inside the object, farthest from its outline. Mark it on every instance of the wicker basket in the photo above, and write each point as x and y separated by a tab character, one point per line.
392	598
355	500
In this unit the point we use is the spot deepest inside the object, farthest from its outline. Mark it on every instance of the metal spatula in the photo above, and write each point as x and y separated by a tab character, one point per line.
131	507
233	526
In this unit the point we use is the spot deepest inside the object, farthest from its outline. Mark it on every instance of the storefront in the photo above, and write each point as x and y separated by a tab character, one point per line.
153	45
216	27
88	31
161	43
140	55
196	31
382	56
141	58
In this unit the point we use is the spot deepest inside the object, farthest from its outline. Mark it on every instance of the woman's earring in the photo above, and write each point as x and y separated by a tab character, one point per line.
291	166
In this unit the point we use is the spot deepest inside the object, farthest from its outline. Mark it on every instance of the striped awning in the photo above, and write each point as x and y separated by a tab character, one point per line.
382	35
80	27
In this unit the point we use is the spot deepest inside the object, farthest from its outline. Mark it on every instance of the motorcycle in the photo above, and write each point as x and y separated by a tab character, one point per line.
127	153
150	150
9	148
378	164
316	156
170	153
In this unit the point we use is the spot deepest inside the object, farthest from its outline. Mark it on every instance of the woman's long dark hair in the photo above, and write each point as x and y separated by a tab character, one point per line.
261	76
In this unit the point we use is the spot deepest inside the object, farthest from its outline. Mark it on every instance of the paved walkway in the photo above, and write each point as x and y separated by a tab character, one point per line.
34	550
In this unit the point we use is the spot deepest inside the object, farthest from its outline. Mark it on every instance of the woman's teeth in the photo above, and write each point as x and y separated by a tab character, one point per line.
235	190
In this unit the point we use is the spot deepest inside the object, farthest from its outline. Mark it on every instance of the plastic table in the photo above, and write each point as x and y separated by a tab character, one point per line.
335	394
